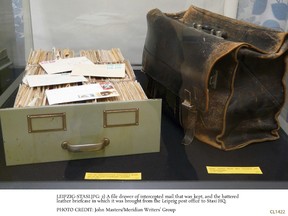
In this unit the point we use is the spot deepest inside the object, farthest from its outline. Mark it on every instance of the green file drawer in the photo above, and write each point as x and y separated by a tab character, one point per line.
78	131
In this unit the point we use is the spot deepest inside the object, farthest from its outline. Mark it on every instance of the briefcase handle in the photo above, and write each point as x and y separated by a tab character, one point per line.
85	147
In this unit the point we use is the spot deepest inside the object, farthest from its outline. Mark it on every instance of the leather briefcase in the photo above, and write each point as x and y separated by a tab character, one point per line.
221	78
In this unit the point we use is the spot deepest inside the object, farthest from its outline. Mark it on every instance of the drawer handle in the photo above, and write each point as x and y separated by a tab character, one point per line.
85	147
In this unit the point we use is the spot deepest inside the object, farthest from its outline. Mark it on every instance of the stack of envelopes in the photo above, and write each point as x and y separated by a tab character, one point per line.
60	77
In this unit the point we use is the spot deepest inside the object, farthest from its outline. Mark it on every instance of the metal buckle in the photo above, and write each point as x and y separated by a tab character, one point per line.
187	99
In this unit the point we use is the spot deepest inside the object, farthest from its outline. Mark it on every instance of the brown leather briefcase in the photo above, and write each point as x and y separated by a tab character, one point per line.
221	78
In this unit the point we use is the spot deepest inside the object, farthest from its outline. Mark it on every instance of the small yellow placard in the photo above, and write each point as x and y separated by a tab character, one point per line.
233	170
113	176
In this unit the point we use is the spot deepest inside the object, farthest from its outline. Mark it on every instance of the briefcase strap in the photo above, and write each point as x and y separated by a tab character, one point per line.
188	119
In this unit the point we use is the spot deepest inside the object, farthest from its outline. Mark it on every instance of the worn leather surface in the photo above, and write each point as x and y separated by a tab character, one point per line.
242	106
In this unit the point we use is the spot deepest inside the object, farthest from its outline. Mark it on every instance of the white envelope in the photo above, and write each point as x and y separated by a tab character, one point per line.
81	93
64	65
52	79
100	70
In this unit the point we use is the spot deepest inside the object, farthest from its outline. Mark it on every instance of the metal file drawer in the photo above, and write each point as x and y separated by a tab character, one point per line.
78	131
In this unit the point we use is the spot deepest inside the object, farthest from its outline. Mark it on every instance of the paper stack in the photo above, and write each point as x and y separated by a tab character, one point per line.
60	77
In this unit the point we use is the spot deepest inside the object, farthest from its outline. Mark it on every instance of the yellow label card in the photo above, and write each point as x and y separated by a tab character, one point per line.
233	170
113	176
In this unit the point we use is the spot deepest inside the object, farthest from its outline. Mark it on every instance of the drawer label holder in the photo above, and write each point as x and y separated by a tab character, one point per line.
46	122
121	117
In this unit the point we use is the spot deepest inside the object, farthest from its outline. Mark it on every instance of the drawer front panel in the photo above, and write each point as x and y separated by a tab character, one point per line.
57	133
